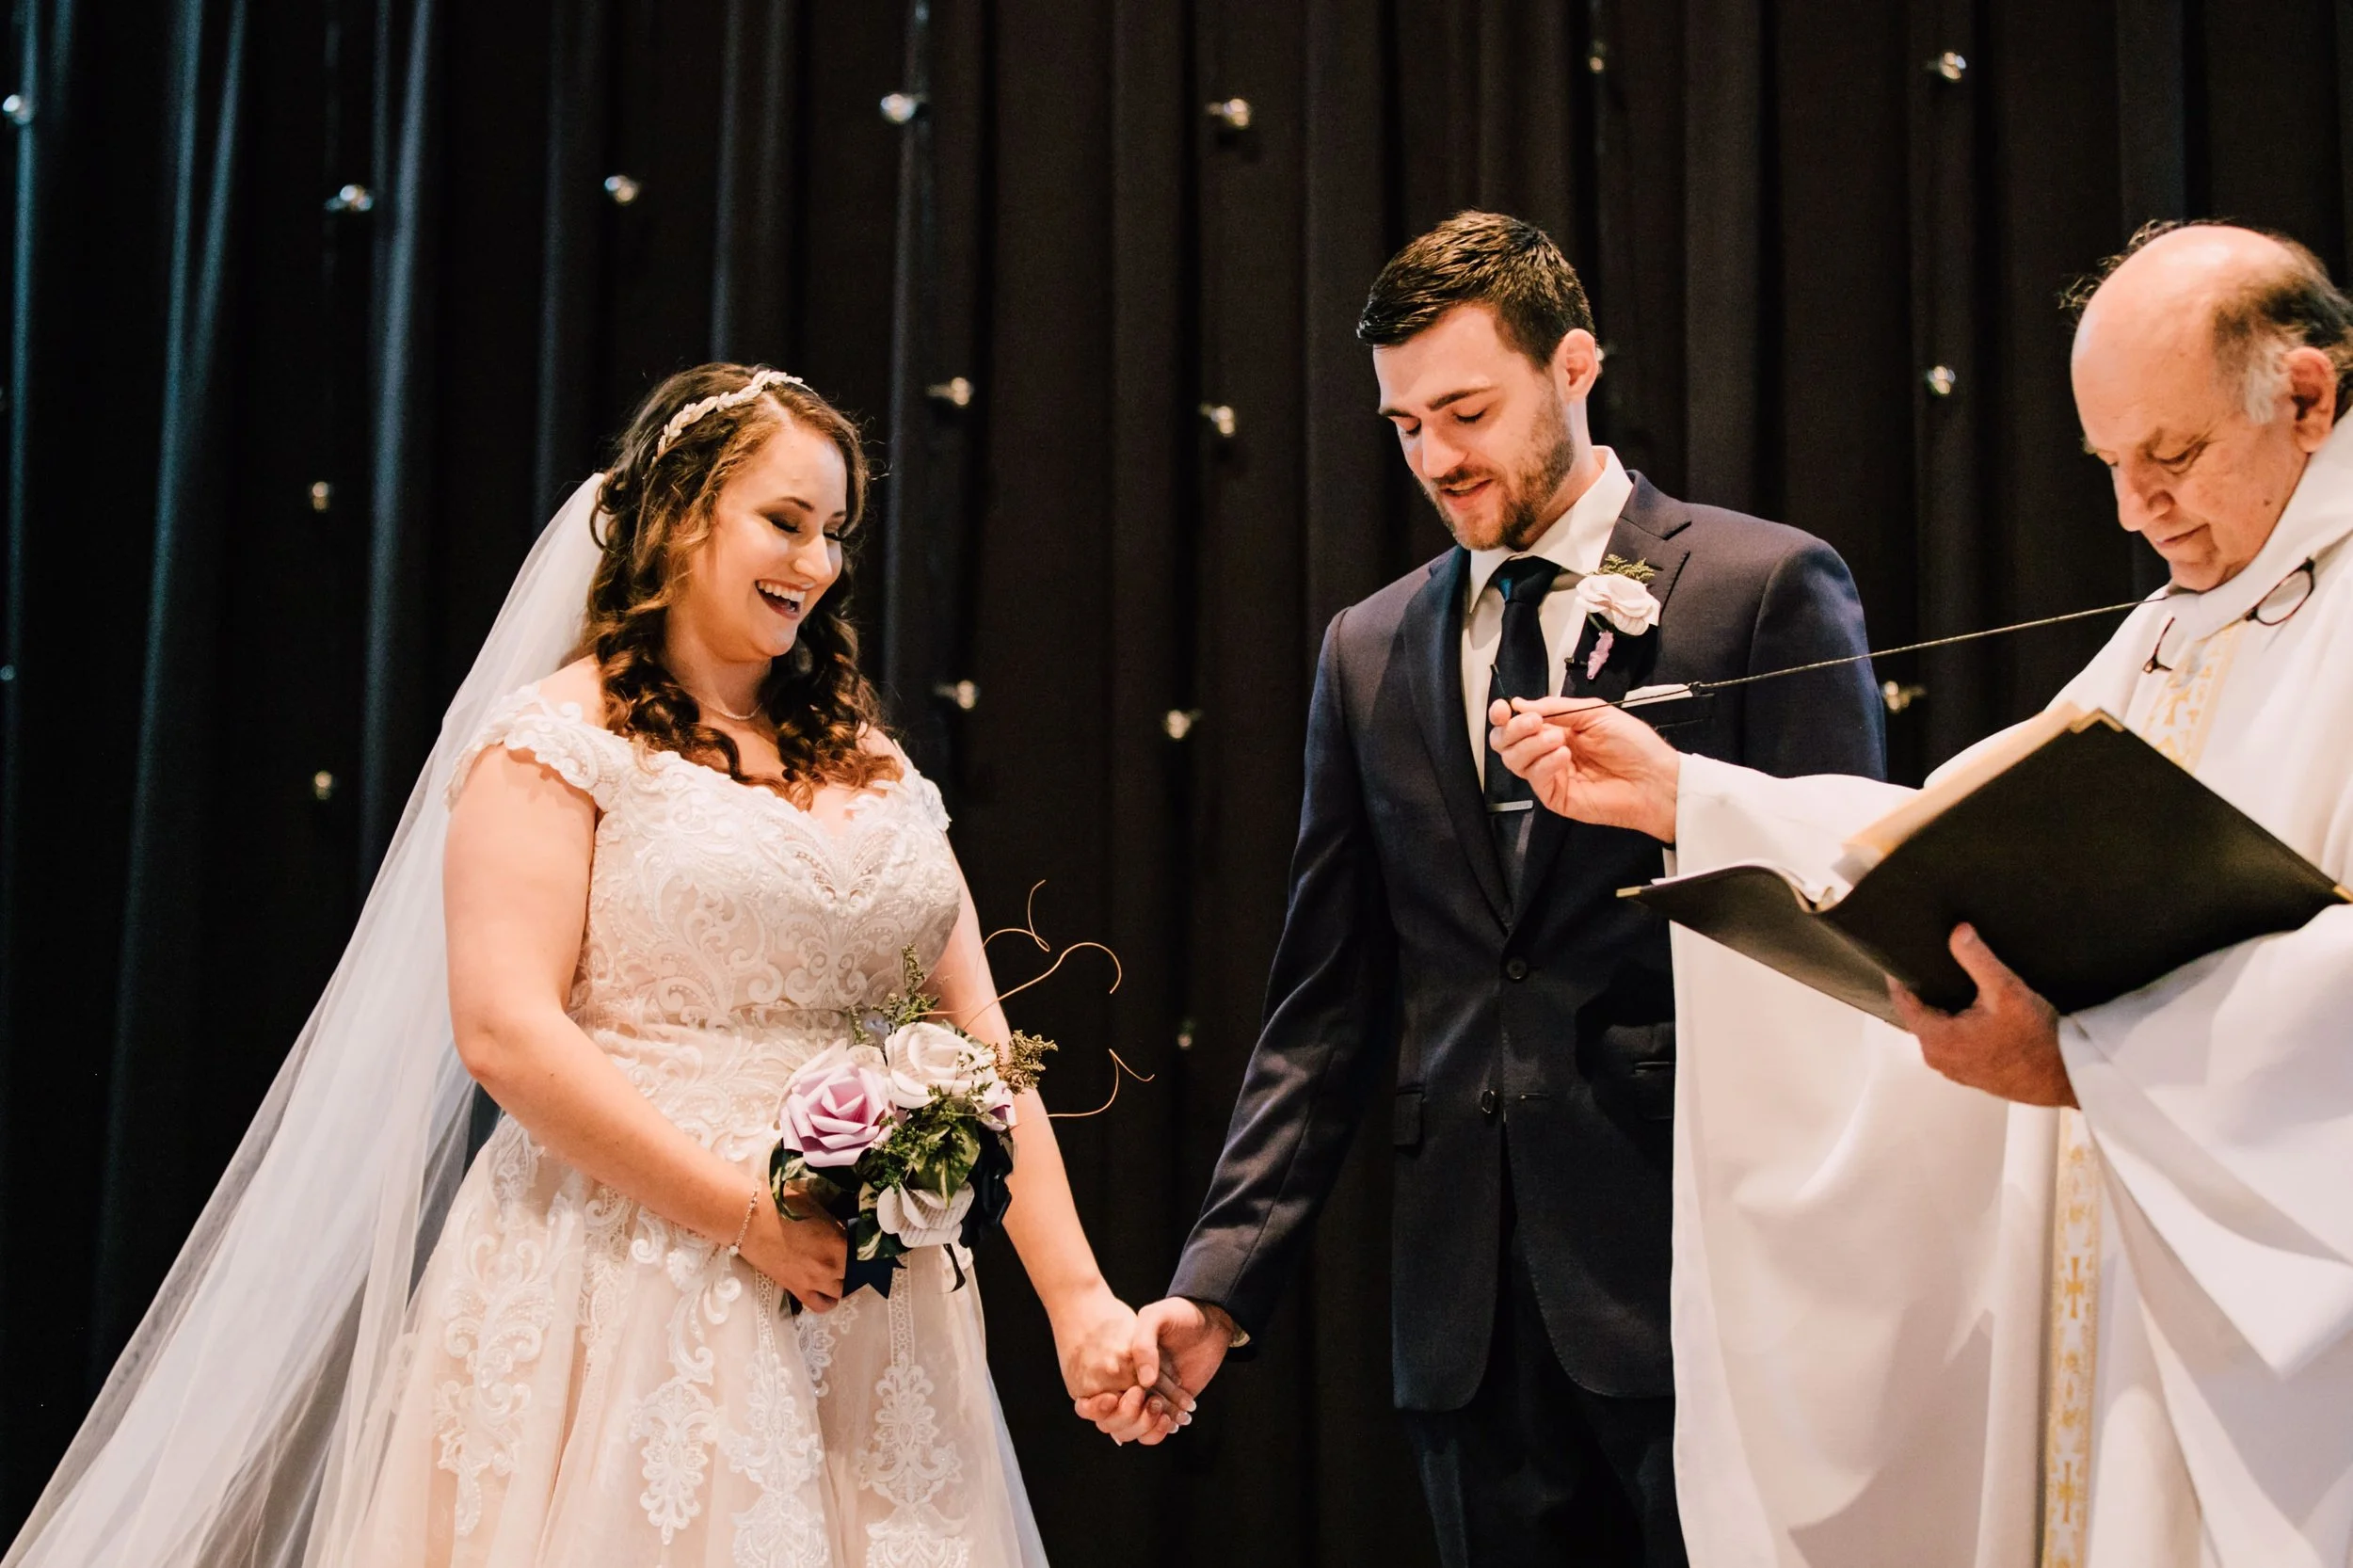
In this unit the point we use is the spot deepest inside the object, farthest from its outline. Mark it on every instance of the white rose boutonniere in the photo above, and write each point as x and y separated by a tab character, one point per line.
1622	602
1618	601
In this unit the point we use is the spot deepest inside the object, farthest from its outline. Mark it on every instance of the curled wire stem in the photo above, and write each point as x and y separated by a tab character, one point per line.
1060	959
1120	973
1028	928
1063	957
1123	1070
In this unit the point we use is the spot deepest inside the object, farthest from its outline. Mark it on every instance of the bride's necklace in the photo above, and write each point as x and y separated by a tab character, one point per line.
724	710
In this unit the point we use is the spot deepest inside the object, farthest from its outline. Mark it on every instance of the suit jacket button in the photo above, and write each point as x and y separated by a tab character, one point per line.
1487	1103
1515	968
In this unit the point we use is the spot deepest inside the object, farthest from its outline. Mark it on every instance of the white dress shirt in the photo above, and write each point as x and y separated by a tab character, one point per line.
1576	542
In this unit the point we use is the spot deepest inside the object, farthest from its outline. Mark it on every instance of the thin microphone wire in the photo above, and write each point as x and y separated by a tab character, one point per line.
1709	688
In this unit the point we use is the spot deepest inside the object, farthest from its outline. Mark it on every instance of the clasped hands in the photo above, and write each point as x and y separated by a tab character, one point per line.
1145	1389
1118	1373
1596	763
1112	1368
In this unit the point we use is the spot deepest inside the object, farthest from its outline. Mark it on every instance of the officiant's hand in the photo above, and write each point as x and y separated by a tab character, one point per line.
1590	762
2006	1042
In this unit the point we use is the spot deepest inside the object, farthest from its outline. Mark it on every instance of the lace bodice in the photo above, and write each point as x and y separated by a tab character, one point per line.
730	932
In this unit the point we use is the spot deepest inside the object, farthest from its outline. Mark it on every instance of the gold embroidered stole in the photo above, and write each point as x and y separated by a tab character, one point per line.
2176	725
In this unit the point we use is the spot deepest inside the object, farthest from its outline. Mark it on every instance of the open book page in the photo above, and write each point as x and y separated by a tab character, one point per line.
1874	843
1813	895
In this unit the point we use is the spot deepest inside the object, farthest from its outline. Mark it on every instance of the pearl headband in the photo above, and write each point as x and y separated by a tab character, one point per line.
761	382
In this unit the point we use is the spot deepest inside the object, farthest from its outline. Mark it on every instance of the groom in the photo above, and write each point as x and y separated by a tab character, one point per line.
1438	914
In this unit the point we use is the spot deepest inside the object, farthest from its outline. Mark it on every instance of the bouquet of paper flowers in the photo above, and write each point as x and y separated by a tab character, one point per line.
905	1134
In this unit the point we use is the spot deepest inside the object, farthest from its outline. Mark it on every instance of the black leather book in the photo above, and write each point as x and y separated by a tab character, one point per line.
2091	863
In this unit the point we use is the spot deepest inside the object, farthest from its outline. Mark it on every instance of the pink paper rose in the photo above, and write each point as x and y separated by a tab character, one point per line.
835	1108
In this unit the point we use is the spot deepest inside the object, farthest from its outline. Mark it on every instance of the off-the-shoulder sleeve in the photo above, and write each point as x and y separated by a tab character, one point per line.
557	736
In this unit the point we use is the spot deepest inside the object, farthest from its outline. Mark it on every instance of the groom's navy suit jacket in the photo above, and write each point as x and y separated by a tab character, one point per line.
1537	1035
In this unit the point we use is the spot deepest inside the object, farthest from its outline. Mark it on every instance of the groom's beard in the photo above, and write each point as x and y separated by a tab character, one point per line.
1524	497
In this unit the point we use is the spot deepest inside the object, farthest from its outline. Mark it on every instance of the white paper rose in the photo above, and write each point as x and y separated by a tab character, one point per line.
1626	604
923	1058
922	1219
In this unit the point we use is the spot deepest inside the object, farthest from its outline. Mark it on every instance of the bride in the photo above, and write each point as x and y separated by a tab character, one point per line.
670	871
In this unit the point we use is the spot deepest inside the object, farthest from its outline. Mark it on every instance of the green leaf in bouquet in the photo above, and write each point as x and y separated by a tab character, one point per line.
825	1190
885	1161
952	1156
869	1242
788	1170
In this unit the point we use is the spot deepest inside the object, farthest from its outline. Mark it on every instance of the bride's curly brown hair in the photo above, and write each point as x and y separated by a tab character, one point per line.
657	506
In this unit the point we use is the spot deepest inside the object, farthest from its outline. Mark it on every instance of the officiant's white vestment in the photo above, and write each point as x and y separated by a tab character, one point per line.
1873	1350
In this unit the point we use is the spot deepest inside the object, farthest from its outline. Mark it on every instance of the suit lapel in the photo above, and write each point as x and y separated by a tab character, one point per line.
1644	533
1430	636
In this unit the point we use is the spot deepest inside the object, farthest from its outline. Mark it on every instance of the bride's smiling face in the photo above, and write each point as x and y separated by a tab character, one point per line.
775	548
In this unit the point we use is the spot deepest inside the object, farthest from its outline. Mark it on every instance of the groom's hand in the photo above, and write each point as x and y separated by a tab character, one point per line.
1192	1336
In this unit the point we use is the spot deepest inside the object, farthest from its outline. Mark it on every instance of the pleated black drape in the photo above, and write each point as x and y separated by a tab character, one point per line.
164	905
401	701
319	306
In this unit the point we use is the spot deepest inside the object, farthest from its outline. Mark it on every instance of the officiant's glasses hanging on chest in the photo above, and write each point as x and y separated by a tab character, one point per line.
2276	608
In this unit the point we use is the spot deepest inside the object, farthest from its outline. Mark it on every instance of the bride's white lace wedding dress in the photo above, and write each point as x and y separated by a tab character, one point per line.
583	1383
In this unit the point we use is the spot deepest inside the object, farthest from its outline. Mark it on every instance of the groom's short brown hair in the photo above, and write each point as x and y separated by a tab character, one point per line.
1506	263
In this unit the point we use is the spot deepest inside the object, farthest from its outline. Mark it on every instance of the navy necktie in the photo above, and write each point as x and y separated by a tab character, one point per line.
1523	669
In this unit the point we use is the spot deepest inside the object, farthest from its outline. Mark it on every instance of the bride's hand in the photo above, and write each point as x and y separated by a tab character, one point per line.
804	1257
1094	1339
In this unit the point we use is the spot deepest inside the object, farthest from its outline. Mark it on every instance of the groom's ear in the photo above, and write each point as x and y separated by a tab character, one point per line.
1576	364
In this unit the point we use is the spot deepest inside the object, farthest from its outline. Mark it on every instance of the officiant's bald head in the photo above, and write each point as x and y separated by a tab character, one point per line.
2210	362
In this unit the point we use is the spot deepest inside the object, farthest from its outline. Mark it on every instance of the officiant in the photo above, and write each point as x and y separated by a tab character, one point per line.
2073	1289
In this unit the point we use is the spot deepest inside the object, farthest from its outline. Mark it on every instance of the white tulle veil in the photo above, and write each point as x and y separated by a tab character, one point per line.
234	1428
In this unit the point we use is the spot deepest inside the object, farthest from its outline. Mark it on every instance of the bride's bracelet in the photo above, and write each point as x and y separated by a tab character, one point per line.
735	1248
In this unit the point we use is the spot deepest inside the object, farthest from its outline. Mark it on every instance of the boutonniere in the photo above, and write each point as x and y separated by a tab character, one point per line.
1617	602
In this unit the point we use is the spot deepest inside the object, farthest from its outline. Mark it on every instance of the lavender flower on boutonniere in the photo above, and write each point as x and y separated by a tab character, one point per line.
1616	601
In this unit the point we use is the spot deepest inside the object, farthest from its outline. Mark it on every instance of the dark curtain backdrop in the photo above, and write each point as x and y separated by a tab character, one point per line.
316	307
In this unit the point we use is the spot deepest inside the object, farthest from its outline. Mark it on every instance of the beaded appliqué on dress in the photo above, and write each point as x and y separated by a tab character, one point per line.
679	1420
494	1315
819	1333
777	1450
906	1462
